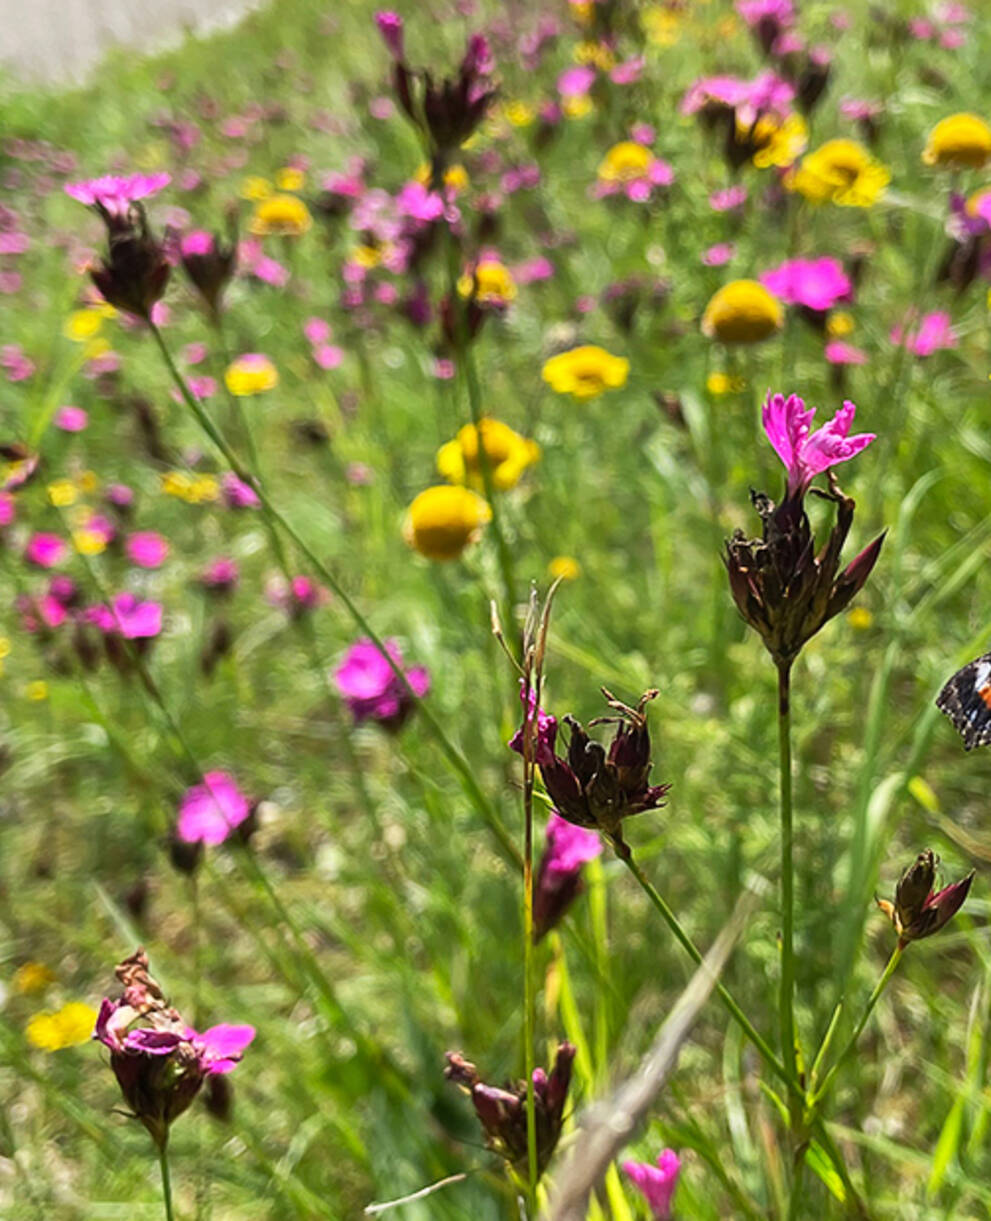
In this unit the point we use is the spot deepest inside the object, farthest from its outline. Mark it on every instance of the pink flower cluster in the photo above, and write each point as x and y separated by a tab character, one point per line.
371	688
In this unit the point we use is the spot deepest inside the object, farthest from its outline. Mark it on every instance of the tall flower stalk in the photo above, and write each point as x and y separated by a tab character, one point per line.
786	591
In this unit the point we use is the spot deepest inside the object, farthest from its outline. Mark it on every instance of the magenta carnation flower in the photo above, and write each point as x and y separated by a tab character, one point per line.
818	284
45	550
71	419
128	617
657	1183
6	509
115	193
786	423
146	549
929	335
559	874
160	1063
210	811
839	353
371	688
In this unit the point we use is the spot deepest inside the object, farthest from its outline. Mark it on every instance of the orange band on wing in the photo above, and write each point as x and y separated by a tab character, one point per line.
985	694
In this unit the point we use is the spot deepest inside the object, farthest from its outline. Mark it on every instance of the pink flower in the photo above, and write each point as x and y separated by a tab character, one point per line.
754	12
17	366
719	255
194	353
575	82
6	509
316	330
559	874
127	617
533	270
420	204
727	200
197	242
147	549
210	811
220	574
220	1047
818	284
839	353
71	419
371	688
657	1183
390	26
627	72
116	194
932	334
328	355
301	595
119	495
238	494
45	550
787	422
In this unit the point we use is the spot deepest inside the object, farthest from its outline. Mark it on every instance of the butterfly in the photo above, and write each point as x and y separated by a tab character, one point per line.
966	700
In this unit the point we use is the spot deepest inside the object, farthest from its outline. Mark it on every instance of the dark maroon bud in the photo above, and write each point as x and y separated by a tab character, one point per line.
918	911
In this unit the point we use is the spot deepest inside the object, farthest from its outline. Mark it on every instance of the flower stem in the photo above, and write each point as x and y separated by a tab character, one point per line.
786	1009
872	1000
163	1164
458	762
529	989
626	856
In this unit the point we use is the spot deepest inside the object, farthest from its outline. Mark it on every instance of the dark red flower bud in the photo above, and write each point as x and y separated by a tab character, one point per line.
918	911
135	272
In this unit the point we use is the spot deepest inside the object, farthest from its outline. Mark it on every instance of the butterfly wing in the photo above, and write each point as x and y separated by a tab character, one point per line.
966	700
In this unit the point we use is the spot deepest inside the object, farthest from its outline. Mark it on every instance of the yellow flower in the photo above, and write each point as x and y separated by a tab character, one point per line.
839	323
959	141
780	144
625	162
519	114
4	647
443	520
252	373
582	11
88	482
290	179
577	107
508	454
32	977
742	311
82	324
564	568
841	172
860	618
365	256
718	383
281	216
62	493
37	691
255	188
596	53
455	176
584	372
661	25
193	489
67	1027
89	542
492	284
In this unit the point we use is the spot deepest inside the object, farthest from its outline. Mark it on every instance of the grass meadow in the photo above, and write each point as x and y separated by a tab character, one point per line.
362	905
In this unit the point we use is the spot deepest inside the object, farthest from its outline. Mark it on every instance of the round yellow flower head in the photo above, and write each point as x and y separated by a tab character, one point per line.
778	144
280	215
71	1024
82	324
564	568
508	453
252	373
841	172
742	311
860	618
839	324
625	162
491	283
519	113
443	520
255	188
959	141
33	977
586	371
661	25
290	179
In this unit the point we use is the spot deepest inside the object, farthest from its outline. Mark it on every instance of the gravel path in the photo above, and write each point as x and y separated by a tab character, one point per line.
61	41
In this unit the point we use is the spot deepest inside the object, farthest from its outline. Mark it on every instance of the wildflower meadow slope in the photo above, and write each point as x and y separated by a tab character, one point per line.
494	501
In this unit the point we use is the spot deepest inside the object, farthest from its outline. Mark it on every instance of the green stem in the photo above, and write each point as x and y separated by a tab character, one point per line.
624	853
458	762
163	1162
529	989
872	1000
786	1007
